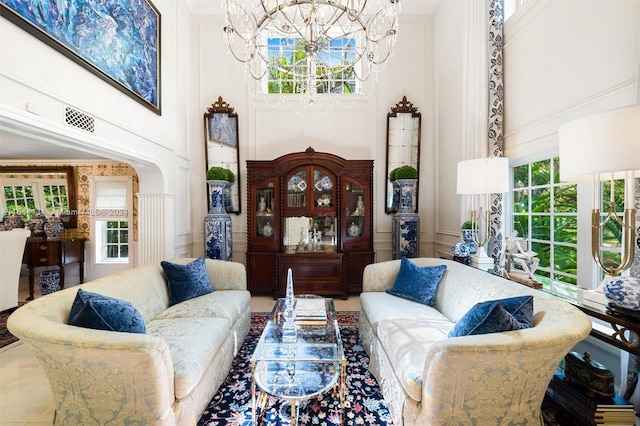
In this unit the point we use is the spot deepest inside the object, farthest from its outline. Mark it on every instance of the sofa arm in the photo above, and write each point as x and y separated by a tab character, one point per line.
225	275
476	379
97	374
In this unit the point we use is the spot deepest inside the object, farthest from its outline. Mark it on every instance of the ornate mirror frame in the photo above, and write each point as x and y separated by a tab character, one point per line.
222	149
69	220
404	129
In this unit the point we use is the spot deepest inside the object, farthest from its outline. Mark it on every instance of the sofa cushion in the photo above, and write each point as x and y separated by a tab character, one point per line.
493	316
406	343
193	343
417	283
99	312
229	304
186	281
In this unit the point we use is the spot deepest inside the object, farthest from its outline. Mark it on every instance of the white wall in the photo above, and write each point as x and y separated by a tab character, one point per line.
157	146
449	62
267	132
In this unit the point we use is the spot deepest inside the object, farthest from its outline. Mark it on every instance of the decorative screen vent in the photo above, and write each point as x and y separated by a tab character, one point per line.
79	119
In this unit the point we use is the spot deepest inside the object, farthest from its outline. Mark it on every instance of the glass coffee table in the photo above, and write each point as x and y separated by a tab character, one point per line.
298	369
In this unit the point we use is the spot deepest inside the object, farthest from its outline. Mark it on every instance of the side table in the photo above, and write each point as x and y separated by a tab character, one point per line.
40	252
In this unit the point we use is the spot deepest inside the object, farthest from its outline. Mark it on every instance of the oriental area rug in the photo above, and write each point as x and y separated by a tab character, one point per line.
231	405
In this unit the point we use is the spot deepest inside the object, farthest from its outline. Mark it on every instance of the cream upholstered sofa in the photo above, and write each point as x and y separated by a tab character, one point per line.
164	377
428	378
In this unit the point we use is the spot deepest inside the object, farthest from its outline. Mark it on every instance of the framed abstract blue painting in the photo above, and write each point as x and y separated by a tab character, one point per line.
118	40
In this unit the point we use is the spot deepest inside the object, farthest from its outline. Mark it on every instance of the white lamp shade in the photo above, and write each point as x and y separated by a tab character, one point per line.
483	176
603	143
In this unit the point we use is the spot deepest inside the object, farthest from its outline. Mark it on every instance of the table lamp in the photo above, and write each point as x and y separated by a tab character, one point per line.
596	148
480	178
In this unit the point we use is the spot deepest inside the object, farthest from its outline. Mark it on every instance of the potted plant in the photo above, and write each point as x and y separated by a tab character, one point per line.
403	172
220	173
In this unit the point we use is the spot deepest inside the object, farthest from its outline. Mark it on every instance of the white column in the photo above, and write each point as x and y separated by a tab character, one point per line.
155	227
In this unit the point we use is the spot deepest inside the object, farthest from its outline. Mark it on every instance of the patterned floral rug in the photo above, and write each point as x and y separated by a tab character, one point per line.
6	338
231	405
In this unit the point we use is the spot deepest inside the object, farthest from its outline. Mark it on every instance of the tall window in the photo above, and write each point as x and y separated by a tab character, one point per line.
112	218
334	74
545	215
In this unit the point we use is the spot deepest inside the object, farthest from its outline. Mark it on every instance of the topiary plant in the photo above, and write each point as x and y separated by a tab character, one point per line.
220	173
403	172
467	225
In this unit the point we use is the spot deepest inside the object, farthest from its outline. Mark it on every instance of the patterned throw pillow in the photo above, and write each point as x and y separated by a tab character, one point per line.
186	281
99	312
494	316
417	283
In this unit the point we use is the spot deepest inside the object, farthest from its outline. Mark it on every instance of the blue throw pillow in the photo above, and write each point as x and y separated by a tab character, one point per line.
494	316
93	310
417	283
186	281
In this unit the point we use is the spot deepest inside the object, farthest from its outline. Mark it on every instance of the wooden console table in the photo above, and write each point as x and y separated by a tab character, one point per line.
622	328
39	252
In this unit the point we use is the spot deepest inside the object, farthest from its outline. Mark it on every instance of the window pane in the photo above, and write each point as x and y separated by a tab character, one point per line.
565	199
521	201
540	200
521	176
541	173
544	254
521	224
556	170
541	227
565	229
565	259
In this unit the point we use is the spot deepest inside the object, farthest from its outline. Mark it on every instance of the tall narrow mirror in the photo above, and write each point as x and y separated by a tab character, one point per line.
221	149
403	148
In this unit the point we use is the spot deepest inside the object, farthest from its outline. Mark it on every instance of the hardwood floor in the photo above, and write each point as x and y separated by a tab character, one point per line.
25	396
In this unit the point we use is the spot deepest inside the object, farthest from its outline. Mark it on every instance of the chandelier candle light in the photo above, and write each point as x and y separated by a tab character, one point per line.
597	148
311	42
480	178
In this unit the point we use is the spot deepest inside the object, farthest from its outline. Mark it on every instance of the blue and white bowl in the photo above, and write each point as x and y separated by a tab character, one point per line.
623	292
460	249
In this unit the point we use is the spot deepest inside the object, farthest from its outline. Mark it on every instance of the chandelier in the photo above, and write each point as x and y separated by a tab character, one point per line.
311	47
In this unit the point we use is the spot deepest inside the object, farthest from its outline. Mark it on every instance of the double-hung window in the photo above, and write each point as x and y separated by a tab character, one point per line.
545	214
112	218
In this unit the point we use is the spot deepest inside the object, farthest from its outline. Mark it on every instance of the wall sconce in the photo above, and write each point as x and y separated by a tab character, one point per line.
480	178
600	147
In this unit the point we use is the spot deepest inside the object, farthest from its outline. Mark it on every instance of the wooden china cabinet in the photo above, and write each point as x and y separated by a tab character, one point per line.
311	212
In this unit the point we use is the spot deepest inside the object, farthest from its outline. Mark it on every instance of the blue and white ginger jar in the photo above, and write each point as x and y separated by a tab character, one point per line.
623	292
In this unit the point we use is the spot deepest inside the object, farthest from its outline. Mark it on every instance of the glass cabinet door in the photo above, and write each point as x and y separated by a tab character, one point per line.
297	190
323	193
355	210
264	202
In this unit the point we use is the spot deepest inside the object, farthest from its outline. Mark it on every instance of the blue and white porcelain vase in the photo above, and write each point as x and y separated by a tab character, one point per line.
218	241
405	230
623	292
53	228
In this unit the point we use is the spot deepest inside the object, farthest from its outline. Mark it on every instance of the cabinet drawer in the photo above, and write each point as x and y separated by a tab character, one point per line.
44	253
